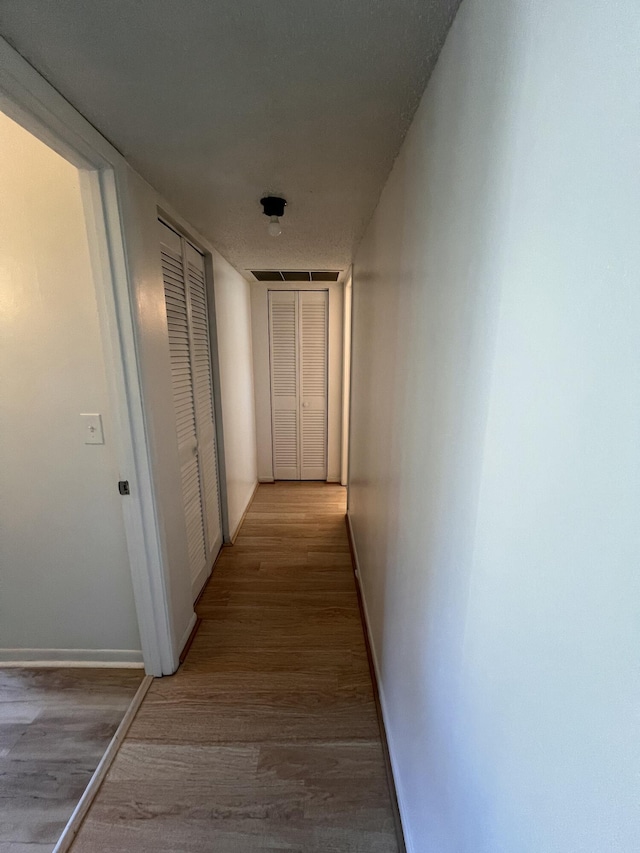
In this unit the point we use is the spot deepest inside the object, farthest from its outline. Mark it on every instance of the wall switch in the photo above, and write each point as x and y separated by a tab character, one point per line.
92	428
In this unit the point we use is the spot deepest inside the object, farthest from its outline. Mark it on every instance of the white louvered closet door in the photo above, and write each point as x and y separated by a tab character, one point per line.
313	312
285	402
203	392
298	353
185	297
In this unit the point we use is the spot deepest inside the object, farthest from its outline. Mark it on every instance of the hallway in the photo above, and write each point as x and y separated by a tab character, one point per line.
390	245
267	736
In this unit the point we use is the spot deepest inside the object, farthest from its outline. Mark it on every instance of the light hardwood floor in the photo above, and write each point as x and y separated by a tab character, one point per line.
267	738
55	725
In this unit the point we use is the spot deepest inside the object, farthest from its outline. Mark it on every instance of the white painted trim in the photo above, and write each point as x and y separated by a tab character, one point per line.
221	460
404	819
71	657
244	514
187	633
357	572
80	812
346	376
30	100
266	480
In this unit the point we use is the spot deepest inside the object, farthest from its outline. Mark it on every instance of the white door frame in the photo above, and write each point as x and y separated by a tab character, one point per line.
262	379
346	378
28	99
277	404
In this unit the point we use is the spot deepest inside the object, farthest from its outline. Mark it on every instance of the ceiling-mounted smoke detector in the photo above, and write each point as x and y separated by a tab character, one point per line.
273	207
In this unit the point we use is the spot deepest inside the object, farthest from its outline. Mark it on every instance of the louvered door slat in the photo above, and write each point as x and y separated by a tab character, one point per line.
180	369
203	388
314	310
184	404
314	443
283	340
193	516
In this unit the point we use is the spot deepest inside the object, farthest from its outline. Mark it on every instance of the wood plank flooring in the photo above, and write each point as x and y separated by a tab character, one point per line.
55	725
266	739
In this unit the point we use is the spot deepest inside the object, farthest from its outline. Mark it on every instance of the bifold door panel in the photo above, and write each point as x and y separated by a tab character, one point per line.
283	333
313	313
183	274
298	360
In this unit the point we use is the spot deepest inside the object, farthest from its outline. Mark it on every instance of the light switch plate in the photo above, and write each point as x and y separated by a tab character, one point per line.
92	428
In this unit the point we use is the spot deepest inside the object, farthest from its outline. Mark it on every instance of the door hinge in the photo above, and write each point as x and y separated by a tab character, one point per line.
123	487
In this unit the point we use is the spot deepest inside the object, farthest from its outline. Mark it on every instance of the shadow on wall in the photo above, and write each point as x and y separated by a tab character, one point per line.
427	280
495	464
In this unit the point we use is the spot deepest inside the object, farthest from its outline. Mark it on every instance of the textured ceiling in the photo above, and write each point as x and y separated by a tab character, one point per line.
217	102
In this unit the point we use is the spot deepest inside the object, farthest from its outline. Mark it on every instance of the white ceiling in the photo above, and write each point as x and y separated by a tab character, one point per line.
217	102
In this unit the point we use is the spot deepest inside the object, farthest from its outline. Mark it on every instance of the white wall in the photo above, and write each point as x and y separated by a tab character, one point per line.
495	460
65	582
260	326
233	323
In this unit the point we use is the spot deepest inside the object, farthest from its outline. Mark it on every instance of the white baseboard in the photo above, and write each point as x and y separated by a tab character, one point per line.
246	510
121	658
354	551
335	480
187	633
383	705
79	813
199	583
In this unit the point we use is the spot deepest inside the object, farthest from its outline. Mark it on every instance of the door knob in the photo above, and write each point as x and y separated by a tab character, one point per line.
305	405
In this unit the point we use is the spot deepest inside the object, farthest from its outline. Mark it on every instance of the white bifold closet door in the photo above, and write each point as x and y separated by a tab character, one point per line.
185	292
298	321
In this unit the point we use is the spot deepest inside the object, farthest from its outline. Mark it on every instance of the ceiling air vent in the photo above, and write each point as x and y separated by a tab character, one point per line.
296	275
324	275
267	275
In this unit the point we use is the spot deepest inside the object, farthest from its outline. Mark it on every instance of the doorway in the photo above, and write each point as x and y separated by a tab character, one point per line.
67	591
298	350
71	662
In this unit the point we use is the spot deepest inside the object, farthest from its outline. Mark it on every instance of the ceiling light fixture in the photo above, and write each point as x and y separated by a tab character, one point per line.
273	207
